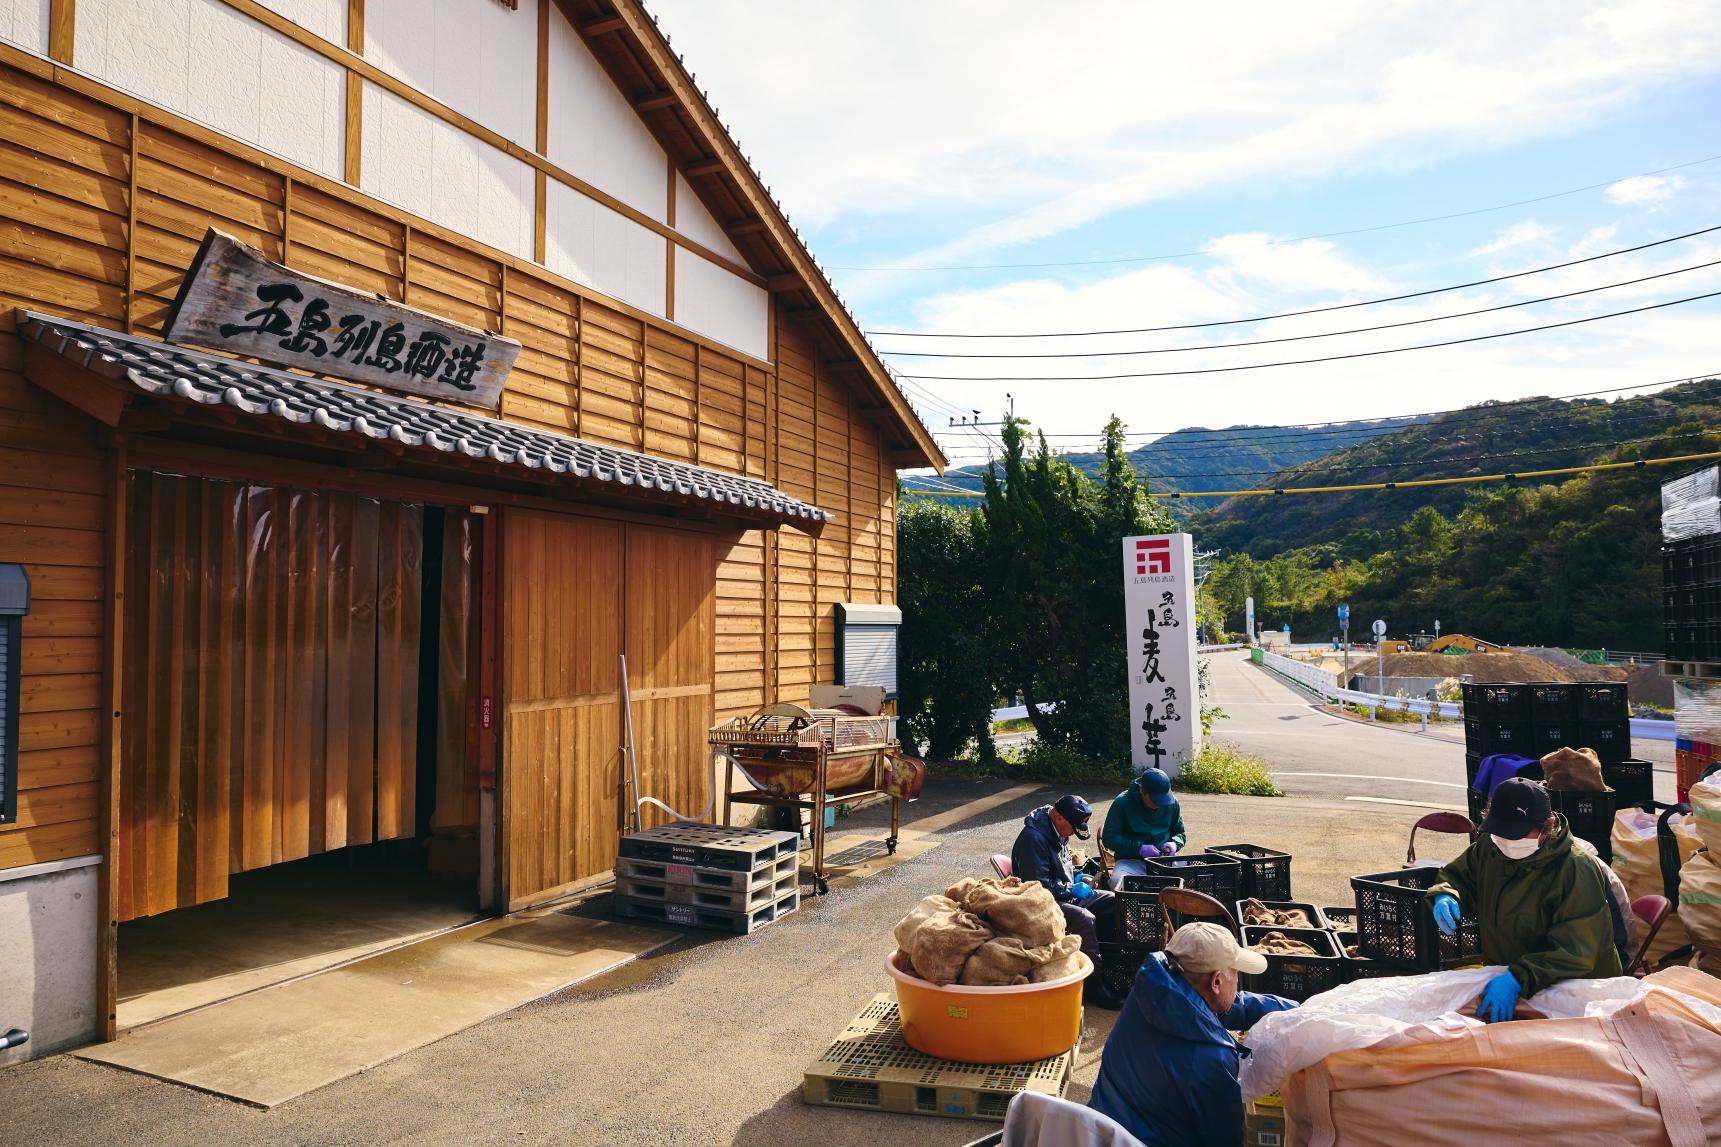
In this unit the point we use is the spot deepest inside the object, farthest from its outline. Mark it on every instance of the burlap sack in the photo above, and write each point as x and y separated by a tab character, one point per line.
1637	863
1256	912
1062	959
999	961
918	915
1706	812
1573	770
960	890
1700	902
1024	910
943	943
1280	944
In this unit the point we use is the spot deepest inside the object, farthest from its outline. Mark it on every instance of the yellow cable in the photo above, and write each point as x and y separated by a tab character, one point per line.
1384	485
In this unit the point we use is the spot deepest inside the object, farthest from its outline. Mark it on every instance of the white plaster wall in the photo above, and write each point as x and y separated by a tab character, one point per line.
25	23
212	64
698	224
48	958
476	56
608	252
411	158
595	133
720	304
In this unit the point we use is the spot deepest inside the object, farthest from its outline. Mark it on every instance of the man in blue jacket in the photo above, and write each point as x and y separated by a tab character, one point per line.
1042	853
1169	1072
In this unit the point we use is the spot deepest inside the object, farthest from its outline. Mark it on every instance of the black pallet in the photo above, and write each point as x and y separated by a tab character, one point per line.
1395	922
1208	872
1317	918
1589	815
1266	872
1553	701
1632	780
1118	965
1611	740
1602	701
1140	920
1297	977
1361	967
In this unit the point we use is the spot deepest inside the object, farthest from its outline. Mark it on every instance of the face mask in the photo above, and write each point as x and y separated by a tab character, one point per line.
1516	849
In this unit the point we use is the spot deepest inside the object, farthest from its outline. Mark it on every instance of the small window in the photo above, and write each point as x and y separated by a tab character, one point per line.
866	645
14	604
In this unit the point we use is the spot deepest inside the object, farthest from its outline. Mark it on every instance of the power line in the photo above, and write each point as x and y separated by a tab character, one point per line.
1303	238
1322	358
1307	311
1307	337
1417	483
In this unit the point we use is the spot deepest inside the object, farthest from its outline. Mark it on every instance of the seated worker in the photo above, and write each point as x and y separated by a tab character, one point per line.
1042	853
1169	1071
1541	905
1144	821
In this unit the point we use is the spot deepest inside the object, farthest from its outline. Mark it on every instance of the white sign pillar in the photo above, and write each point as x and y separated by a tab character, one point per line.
1159	619
1249	618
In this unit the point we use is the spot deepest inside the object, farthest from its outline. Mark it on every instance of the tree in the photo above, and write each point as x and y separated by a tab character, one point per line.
945	684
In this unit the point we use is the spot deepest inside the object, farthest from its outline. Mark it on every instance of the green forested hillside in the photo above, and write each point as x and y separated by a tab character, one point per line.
1558	561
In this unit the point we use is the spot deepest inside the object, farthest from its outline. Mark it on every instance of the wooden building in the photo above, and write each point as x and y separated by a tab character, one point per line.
281	609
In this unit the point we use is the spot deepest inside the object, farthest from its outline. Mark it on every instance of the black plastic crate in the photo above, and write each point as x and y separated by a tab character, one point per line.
1589	814
1478	803
1361	967
1611	740
1497	702
1552	701
1632	781
1208	872
1602	701
1473	739
1340	917
1297	977
1317	919
1140	920
1472	766
1395	922
1118	965
1507	737
1546	736
1266	872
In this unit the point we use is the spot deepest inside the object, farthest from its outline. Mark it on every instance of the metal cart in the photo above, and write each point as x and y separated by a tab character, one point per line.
815	758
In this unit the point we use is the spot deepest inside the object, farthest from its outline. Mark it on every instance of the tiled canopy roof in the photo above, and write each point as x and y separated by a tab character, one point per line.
162	371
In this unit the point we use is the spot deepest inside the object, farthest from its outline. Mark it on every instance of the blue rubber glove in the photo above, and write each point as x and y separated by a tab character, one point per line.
1170	848
1499	999
1446	913
1149	850
1081	890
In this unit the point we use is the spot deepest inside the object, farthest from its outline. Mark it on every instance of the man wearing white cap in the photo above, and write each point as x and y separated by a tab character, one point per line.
1169	1073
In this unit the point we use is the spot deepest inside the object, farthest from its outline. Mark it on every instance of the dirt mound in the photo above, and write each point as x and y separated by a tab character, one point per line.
1485	667
1648	686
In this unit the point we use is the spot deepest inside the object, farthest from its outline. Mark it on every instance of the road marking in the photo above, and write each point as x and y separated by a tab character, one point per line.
1412	804
1371	777
963	811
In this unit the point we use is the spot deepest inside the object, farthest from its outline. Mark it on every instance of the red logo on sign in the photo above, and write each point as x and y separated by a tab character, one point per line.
1153	556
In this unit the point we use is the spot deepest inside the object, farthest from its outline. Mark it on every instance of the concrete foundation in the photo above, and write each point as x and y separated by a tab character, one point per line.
48	929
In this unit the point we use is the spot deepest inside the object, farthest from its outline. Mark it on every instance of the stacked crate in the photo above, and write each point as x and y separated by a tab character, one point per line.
708	876
1691	618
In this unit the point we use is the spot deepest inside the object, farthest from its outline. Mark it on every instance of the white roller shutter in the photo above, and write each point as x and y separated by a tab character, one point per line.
866	645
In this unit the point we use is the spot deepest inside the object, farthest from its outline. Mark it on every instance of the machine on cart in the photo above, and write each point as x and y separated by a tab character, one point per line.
812	759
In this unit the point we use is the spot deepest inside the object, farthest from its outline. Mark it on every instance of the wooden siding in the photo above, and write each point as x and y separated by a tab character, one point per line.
102	203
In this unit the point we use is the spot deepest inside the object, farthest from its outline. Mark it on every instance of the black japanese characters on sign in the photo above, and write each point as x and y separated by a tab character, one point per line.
235	299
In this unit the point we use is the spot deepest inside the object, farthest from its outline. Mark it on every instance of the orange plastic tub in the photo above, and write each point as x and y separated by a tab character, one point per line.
990	1025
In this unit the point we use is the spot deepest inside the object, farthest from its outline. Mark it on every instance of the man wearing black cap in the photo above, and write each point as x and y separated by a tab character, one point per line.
1042	853
1542	906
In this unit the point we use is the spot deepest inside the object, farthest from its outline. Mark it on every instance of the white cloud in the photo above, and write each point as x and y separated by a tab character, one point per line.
1529	231
1644	189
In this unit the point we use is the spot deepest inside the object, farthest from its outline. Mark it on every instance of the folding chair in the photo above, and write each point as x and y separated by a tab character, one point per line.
1653	911
1001	865
1455	823
1181	905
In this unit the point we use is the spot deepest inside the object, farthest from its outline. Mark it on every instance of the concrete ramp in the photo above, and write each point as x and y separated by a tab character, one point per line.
277	1044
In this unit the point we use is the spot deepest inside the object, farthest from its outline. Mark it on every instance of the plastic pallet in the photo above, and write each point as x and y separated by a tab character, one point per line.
710	846
715	919
720	899
766	874
870	1067
1266	872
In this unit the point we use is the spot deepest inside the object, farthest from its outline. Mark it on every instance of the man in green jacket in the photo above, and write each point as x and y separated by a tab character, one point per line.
1144	821
1541	905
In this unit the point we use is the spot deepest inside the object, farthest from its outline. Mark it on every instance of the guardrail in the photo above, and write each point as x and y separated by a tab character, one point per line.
1323	684
1220	648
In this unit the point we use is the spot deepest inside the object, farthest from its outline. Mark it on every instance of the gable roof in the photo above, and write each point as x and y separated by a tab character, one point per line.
628	43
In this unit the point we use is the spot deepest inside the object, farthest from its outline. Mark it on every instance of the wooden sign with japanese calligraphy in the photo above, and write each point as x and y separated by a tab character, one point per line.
234	299
1159	635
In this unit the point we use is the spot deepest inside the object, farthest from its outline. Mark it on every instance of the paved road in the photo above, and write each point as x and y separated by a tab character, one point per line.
1319	754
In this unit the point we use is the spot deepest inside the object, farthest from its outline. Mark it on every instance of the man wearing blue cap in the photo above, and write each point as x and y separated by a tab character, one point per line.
1042	853
1143	822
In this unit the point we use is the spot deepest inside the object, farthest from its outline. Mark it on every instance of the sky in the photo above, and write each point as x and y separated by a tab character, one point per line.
1031	168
